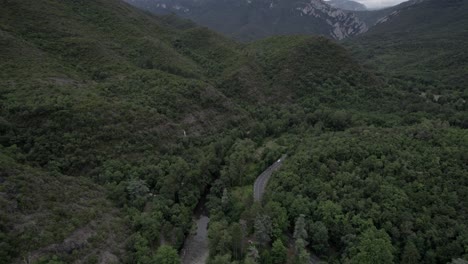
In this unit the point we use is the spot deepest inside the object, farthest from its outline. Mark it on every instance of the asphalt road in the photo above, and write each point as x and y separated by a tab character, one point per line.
260	186
262	180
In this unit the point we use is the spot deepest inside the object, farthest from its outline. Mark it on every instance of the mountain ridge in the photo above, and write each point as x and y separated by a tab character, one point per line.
255	19
422	27
117	126
128	105
347	5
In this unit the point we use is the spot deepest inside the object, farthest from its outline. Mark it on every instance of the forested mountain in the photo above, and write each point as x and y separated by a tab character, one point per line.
372	17
95	96
114	123
255	19
423	43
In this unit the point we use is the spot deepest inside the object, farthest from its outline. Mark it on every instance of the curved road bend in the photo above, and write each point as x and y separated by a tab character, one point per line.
262	180
260	186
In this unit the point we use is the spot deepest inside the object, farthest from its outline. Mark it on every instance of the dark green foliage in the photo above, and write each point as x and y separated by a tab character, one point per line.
279	217
166	255
410	253
114	124
374	247
97	90
220	238
302	256
300	231
263	229
50	209
278	252
319	237
425	45
394	179
237	241
142	251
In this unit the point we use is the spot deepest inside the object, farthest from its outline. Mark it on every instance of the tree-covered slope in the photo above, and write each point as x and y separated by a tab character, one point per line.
408	182
256	19
425	41
100	90
142	105
114	123
298	68
67	68
46	213
372	17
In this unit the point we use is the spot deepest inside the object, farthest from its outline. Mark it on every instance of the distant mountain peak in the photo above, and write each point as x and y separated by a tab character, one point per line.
344	23
398	9
347	5
253	19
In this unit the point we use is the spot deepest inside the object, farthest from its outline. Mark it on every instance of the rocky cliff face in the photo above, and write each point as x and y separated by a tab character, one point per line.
343	24
253	19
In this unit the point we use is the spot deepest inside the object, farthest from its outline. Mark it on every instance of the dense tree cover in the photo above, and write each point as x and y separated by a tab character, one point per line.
166	255
427	54
357	212
374	246
114	124
406	182
101	91
278	252
364	195
44	213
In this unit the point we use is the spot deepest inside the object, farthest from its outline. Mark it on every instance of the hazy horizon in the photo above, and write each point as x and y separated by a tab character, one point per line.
377	4
373	4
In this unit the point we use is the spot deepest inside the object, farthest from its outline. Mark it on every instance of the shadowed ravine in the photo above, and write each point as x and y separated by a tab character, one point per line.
195	250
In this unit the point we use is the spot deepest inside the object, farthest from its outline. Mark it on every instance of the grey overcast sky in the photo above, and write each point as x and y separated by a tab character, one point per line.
379	3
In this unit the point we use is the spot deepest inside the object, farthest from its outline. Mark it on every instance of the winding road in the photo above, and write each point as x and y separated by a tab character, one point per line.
196	249
262	180
259	189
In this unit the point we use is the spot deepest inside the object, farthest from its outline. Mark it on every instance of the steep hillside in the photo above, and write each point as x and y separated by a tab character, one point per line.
139	104
105	59
424	43
298	68
45	213
115	124
99	90
250	20
372	17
